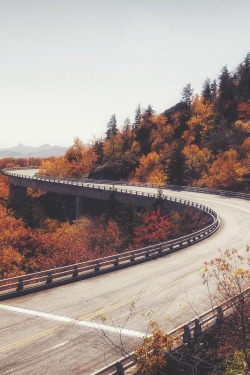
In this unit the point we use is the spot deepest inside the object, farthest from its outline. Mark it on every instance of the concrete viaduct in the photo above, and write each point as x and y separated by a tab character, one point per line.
82	190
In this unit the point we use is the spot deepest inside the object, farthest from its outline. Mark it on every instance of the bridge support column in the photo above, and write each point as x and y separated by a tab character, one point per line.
18	194
80	206
77	207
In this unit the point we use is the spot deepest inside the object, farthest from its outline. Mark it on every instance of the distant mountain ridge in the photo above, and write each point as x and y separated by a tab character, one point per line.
23	151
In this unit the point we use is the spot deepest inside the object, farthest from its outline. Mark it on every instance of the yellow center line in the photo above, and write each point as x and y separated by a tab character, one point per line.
134	298
94	314
31	338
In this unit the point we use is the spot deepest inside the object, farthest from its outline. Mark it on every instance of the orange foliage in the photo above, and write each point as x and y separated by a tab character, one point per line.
4	190
150	169
197	162
151	356
11	233
201	121
53	167
77	162
245	148
226	172
84	240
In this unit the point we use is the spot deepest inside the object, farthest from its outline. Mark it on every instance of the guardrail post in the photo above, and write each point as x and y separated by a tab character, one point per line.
186	334
197	329
170	248
219	319
97	267
116	262
119	369
132	258
20	285
146	254
75	272
49	278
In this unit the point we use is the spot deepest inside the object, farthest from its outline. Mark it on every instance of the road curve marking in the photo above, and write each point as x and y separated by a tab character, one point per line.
67	320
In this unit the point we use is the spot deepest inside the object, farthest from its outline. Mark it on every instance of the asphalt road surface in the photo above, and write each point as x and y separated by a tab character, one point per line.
79	328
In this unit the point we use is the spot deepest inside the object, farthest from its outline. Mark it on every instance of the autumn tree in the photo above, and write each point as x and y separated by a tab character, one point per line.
226	172
79	159
197	162
150	169
101	237
151	356
154	229
201	122
11	232
227	277
4	190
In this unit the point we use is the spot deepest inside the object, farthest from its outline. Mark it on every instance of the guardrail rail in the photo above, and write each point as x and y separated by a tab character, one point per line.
186	332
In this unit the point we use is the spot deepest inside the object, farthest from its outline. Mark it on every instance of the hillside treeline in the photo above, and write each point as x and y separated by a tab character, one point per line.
203	140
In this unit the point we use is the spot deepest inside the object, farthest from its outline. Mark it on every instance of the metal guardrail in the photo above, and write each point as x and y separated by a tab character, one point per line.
39	280
83	181
94	267
186	332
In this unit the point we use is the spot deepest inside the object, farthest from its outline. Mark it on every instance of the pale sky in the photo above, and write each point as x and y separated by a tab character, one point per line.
67	65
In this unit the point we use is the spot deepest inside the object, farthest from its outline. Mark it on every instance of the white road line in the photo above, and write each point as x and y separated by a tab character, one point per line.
65	319
229	205
58	345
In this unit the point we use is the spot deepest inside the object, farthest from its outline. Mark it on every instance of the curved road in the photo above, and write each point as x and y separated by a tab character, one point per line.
76	328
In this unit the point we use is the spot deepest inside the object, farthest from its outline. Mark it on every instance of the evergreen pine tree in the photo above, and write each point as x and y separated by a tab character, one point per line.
149	111
137	117
126	125
112	126
214	89
206	90
244	79
186	97
98	150
226	103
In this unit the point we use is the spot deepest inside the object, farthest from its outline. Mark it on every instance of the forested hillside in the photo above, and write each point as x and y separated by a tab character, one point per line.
203	140
36	235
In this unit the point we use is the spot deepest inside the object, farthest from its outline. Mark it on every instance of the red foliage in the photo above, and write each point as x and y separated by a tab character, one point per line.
155	229
244	111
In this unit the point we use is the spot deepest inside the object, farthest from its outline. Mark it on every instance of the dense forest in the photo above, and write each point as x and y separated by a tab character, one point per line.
202	141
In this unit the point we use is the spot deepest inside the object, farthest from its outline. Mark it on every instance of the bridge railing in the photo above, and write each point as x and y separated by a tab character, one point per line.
185	333
83	181
96	266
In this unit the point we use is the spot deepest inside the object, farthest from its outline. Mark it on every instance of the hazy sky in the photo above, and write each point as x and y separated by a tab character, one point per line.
67	65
